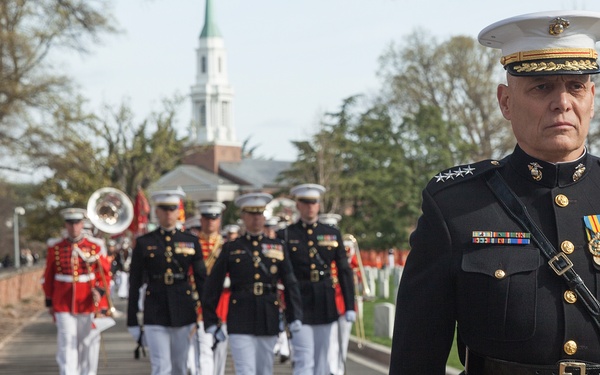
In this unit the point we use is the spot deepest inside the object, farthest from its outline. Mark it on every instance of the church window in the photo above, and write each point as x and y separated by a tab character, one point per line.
203	64
225	114
219	65
203	115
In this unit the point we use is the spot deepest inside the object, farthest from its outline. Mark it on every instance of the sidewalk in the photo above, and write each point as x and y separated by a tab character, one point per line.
32	349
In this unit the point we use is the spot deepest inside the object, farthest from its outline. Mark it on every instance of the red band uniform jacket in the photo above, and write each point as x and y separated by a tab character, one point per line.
68	279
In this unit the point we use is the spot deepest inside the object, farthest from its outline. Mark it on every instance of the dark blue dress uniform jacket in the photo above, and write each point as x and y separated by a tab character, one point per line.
506	300
253	309
165	303
318	295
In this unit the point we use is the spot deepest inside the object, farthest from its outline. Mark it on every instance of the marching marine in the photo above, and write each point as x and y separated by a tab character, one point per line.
162	258
255	263
313	247
75	279
212	358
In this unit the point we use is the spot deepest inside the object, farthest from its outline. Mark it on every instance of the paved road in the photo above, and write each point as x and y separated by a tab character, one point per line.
32	351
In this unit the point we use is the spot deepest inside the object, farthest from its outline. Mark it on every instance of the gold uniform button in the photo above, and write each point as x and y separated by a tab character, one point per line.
570	296
310	231
294	248
255	253
254	243
237	260
75	273
561	200
256	276
310	243
188	292
169	248
168	238
567	247
570	347
234	301
151	255
499	274
312	266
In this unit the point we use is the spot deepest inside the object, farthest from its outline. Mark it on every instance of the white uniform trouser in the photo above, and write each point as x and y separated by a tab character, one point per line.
73	335
220	353
310	345
252	354
123	291
283	345
168	348
338	345
202	360
94	350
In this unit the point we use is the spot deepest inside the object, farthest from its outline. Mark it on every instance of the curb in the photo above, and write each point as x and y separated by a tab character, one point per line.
380	354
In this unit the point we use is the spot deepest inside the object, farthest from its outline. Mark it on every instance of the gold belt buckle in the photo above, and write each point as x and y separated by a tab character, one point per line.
314	276
169	279
579	368
258	289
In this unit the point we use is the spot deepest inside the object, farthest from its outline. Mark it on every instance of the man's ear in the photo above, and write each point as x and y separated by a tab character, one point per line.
503	100
593	99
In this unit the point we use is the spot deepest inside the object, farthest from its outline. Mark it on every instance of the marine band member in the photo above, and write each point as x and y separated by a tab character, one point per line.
162	258
255	263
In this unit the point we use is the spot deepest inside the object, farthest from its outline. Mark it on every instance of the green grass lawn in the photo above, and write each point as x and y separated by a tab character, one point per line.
369	308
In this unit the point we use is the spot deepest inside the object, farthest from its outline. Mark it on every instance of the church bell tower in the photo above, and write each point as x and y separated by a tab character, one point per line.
212	133
212	95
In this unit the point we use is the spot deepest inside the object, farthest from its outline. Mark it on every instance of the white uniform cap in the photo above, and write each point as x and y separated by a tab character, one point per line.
73	214
556	42
168	197
231	228
253	202
193	222
308	191
330	219
212	209
272	222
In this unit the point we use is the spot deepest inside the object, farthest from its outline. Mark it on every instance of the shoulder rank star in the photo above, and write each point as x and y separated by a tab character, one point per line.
450	175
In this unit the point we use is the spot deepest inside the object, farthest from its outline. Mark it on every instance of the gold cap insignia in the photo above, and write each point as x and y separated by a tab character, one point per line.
558	25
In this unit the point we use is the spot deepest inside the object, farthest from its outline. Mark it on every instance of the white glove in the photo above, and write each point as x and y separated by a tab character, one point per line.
226	282
295	325
134	331
350	315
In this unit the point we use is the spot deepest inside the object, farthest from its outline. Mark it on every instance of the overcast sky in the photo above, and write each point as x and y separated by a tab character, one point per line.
289	60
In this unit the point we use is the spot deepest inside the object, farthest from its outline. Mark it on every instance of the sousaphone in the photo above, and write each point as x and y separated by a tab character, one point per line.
110	210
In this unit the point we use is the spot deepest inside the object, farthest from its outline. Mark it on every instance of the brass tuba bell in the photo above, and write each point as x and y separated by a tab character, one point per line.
110	210
284	208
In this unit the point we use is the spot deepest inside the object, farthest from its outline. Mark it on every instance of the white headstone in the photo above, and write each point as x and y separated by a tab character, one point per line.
384	319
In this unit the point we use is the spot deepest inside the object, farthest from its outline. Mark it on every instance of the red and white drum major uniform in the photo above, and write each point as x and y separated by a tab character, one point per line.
73	285
341	329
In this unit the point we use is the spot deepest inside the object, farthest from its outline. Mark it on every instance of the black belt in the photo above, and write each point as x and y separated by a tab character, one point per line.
258	289
316	276
479	365
169	277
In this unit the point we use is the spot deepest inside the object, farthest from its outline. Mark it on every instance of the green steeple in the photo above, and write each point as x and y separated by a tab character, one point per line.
210	28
